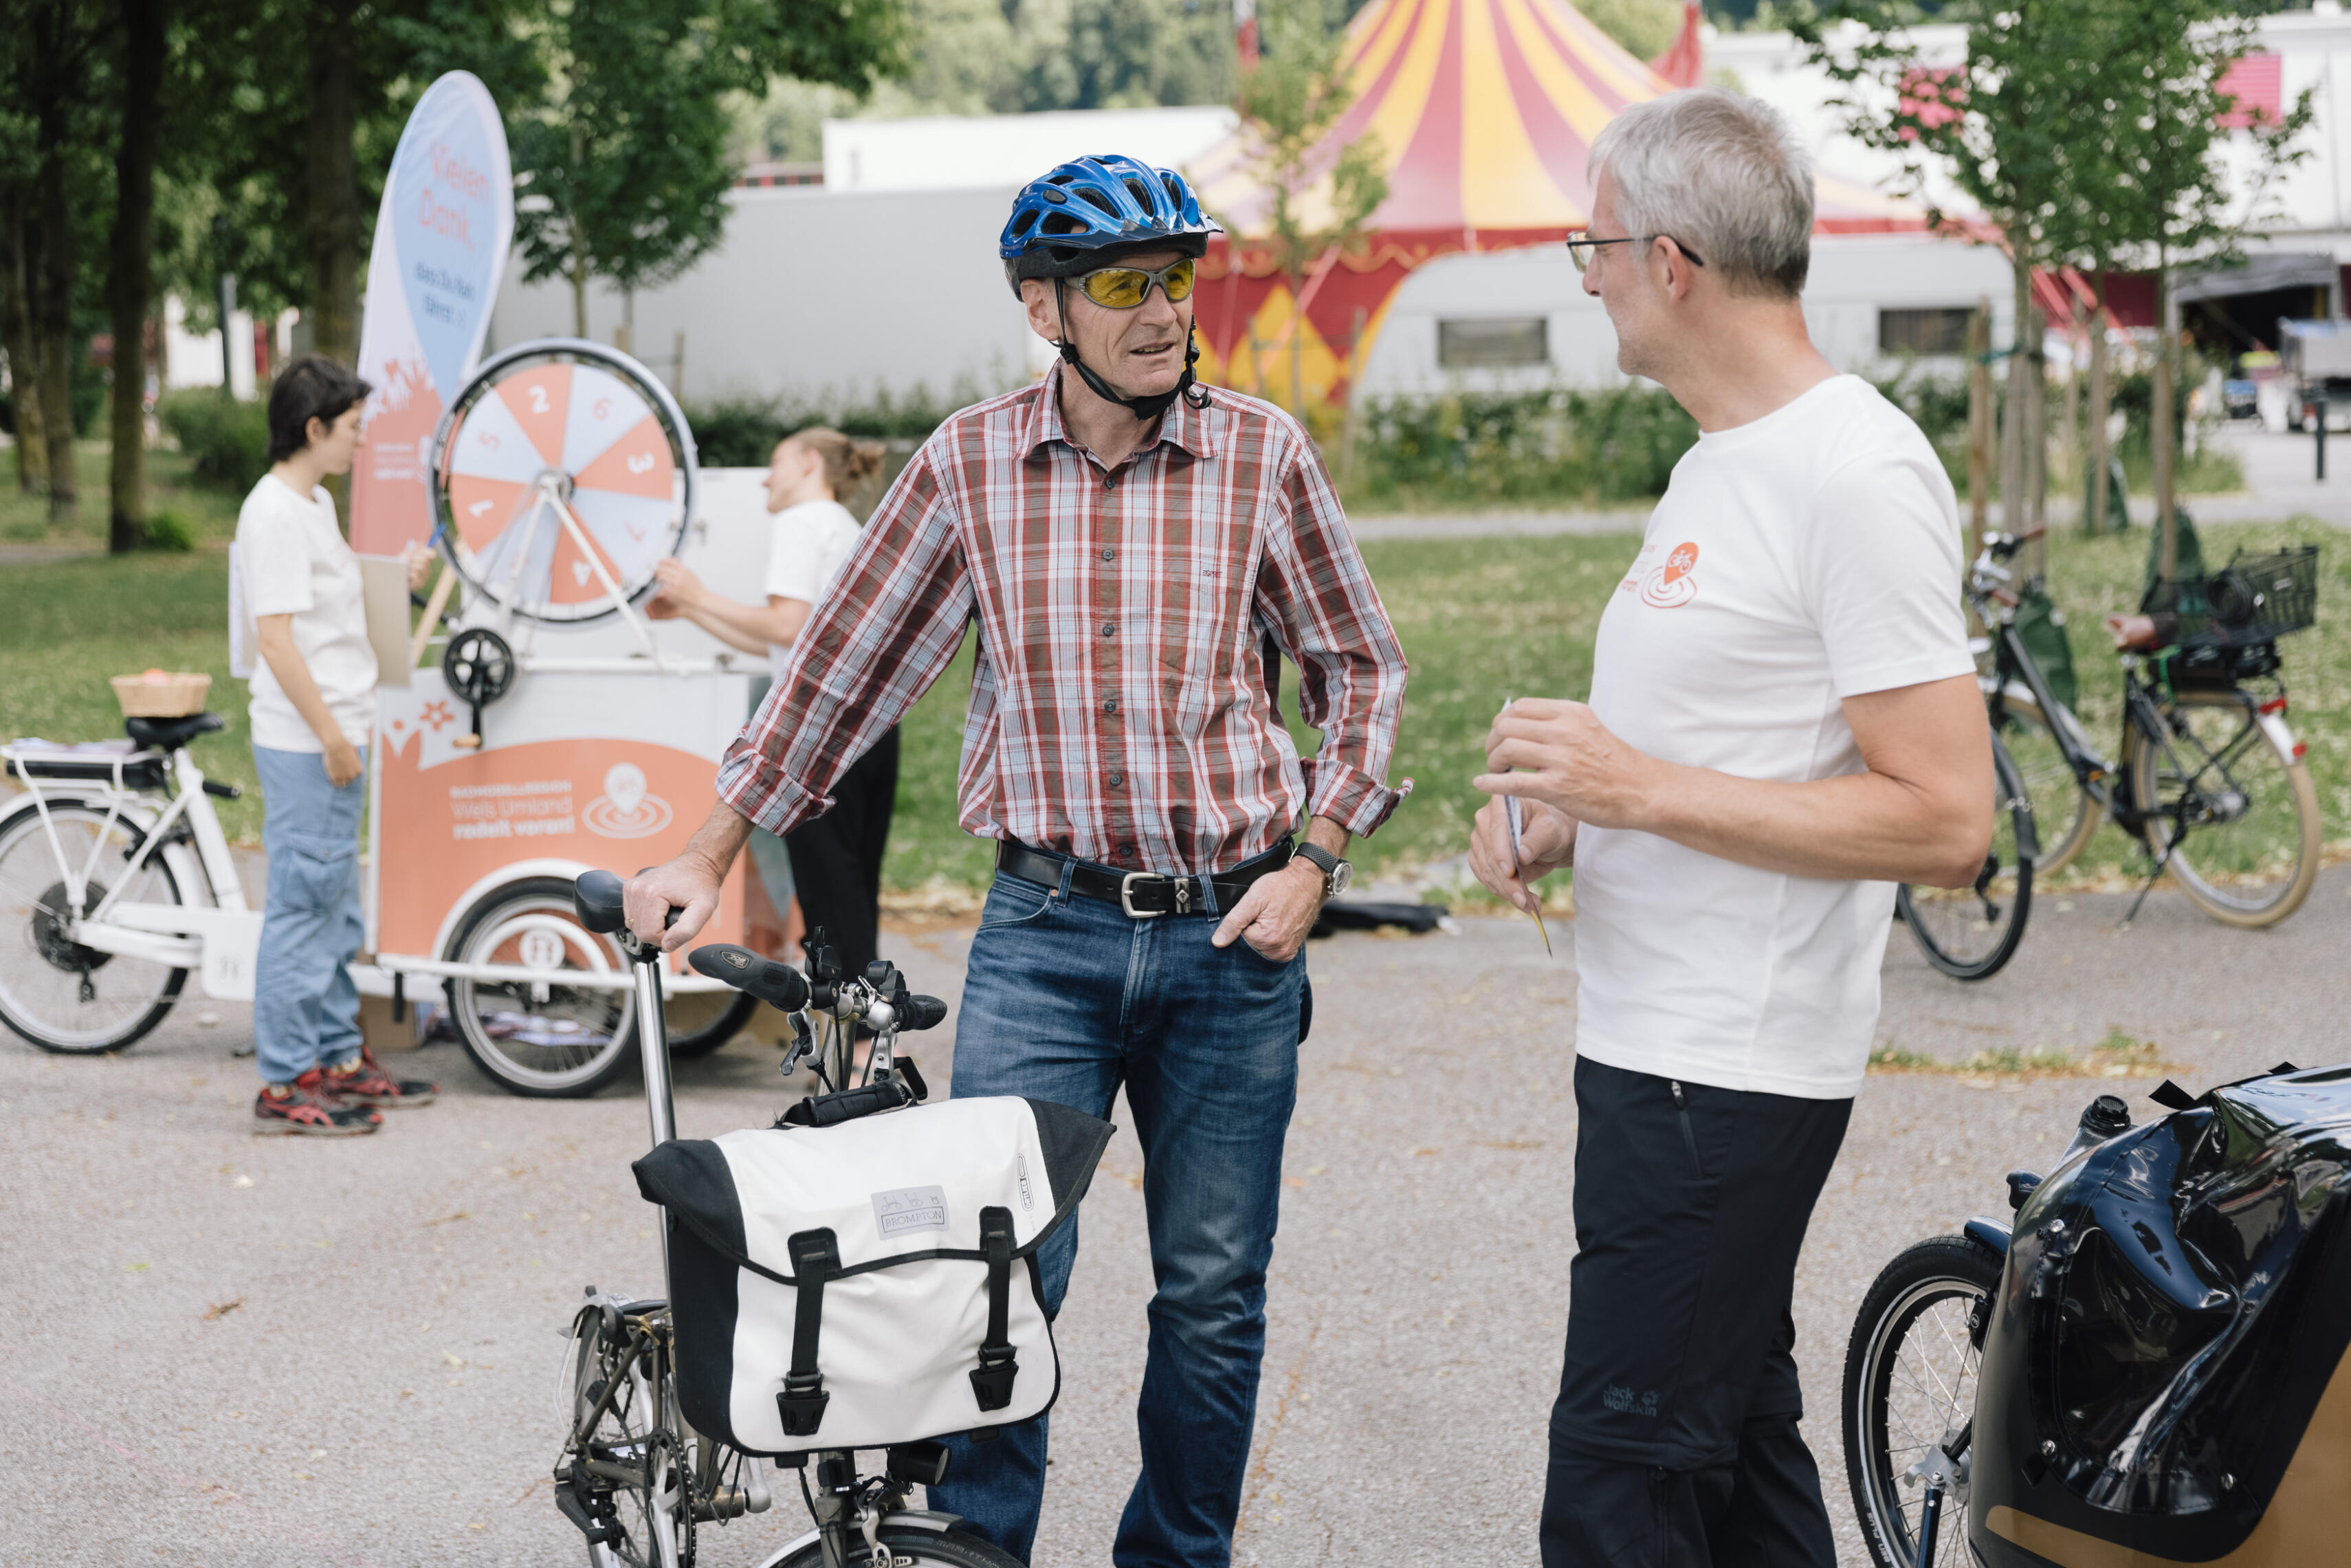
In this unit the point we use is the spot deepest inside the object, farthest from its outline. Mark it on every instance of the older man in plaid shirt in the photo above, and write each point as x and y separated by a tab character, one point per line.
1128	544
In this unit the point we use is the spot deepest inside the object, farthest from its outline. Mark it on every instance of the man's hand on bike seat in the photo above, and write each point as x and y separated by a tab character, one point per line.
684	885
2141	633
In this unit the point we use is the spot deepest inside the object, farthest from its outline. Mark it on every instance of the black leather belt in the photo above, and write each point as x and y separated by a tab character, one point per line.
1142	894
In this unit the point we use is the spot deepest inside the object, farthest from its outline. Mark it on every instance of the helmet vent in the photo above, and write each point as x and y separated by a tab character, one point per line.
1094	201
1142	197
1062	223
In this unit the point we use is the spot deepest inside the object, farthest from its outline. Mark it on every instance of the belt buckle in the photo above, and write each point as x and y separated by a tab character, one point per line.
1126	895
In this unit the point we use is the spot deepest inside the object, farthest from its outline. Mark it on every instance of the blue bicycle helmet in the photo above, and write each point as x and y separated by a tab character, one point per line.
1062	222
1077	217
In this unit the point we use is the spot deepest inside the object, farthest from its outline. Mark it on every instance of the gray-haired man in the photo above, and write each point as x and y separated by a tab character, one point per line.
1783	722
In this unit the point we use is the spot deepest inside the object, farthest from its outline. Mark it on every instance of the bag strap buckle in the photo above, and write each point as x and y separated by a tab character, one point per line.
992	1379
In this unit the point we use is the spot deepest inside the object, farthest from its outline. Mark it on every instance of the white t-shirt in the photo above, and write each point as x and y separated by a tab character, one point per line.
1807	557
295	562
809	543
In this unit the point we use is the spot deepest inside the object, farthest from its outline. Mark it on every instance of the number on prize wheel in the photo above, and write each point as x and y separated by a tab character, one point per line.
561	474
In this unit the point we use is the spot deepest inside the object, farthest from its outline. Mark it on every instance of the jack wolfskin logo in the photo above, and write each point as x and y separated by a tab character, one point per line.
1021	1161
1625	1402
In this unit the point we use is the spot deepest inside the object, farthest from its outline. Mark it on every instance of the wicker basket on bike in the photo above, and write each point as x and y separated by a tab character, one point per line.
874	1282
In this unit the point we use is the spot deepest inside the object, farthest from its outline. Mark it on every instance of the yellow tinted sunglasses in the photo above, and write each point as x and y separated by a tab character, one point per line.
1125	287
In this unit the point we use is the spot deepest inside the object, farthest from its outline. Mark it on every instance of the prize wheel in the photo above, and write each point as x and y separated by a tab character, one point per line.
561	474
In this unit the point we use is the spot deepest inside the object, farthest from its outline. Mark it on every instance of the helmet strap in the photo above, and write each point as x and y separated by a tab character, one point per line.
1150	407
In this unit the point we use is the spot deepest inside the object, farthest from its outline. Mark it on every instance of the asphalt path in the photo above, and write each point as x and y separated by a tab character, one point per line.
231	1349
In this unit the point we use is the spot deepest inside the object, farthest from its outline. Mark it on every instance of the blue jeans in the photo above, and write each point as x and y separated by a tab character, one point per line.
306	1011
1067	999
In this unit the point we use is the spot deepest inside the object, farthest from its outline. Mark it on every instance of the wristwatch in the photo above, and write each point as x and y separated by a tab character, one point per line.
1336	873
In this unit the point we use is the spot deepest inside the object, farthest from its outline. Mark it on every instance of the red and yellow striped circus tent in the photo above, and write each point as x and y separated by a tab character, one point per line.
1486	111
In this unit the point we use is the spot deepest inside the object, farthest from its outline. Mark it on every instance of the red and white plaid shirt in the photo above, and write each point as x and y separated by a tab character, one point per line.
1119	705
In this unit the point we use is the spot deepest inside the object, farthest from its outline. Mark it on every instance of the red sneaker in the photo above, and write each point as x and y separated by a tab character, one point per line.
365	1083
302	1109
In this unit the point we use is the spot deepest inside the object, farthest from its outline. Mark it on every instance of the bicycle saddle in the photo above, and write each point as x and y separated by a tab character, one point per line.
596	897
171	734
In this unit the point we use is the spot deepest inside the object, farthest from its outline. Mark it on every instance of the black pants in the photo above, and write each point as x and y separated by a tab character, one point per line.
1674	1441
837	858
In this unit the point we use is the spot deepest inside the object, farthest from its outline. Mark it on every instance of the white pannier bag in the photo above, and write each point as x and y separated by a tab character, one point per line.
869	1284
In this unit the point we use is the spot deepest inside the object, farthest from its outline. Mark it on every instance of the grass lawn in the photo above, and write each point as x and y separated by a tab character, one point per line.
1481	620
210	514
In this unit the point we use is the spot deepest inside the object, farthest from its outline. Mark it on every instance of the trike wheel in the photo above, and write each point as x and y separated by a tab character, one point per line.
2248	853
59	995
543	1039
702	1021
1909	1384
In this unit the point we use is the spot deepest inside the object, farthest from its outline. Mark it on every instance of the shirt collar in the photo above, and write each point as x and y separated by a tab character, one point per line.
1181	425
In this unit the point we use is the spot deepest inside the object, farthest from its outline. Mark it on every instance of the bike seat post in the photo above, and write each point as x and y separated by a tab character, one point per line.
653	1050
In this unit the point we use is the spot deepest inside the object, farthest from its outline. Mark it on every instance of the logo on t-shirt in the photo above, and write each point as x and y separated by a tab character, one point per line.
1671	586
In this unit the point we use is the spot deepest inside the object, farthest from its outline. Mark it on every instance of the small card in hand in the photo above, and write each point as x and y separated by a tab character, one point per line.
1514	813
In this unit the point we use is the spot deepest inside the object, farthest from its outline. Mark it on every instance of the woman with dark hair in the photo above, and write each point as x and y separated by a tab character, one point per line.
833	864
313	703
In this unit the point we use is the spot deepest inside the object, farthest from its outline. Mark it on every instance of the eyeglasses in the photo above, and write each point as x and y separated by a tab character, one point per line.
1125	287
1580	245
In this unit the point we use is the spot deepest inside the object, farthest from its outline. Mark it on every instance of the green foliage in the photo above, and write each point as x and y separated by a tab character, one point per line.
1559	449
1646	28
1288	105
624	164
170	533
227	441
742	431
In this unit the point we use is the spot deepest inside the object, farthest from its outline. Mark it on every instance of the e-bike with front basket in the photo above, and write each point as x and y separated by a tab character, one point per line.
634	1476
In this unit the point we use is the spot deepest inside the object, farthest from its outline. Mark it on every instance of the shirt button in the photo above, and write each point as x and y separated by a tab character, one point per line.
1110	629
1111	483
1111	706
1126	852
1109	555
1116	780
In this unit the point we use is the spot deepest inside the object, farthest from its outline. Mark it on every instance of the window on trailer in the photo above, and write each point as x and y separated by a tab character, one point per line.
1496	340
1940	330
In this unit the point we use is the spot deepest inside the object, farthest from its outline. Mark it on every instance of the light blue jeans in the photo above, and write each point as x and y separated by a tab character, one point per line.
306	1011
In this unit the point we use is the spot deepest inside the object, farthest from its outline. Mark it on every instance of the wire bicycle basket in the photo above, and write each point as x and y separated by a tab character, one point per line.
2255	600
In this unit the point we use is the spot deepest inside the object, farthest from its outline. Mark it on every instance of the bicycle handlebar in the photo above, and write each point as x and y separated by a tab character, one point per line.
779	985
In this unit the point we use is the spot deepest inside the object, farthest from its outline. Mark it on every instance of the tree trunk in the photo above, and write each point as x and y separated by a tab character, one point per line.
24	361
2094	520
53	322
129	274
330	229
2037	440
1979	425
2014	412
2167	347
579	240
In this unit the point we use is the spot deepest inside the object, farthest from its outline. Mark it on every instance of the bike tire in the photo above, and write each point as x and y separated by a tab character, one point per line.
1940	1284
2065	814
534	1053
1969	934
29	1004
910	1544
2258	866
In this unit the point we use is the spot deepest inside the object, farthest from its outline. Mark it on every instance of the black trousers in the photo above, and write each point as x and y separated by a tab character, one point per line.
837	858
1674	1440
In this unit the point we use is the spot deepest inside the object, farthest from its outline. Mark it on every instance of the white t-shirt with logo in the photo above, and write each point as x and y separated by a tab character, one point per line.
810	542
1807	557
295	562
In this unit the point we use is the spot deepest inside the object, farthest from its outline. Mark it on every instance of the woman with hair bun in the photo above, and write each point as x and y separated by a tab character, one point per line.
833	862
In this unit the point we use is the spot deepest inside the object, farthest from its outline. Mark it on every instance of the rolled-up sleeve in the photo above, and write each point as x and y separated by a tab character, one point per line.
1315	597
890	624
